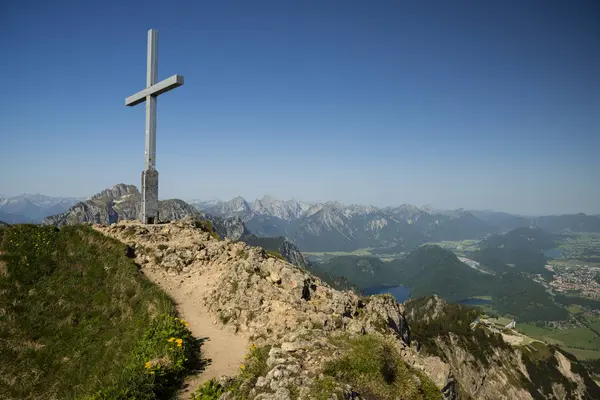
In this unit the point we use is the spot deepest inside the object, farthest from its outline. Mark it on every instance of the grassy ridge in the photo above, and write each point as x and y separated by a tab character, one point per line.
77	319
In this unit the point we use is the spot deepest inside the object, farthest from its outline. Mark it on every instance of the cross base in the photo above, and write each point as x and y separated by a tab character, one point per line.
149	214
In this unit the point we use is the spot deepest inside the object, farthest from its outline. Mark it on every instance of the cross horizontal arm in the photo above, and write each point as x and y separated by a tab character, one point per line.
154	90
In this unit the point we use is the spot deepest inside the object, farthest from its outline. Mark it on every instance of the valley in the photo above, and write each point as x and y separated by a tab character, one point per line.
566	282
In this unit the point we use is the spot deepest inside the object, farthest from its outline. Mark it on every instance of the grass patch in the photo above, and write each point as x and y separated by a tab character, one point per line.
207	226
211	390
375	369
242	254
323	388
254	366
582	338
581	354
274	254
77	319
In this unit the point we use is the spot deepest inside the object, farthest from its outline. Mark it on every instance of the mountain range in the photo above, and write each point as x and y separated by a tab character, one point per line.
314	227
33	208
332	226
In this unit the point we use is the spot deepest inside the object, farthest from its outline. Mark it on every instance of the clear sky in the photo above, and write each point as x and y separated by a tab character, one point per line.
473	104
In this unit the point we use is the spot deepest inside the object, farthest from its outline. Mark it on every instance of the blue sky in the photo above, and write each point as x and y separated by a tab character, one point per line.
470	104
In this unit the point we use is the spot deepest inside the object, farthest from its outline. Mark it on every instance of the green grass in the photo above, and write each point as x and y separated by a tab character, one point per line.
375	369
207	226
594	323
77	319
274	254
211	390
254	366
571	339
584	354
575	309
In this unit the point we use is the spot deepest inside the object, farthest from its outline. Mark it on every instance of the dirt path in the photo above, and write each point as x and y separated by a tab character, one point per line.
224	349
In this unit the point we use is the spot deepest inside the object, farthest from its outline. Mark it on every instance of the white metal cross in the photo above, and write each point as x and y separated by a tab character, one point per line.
149	95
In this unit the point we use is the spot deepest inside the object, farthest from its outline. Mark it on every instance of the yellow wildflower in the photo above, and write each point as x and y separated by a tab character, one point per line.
148	365
242	366
179	342
171	340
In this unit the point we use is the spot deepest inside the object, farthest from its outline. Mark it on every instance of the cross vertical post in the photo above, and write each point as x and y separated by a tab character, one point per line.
149	206
151	79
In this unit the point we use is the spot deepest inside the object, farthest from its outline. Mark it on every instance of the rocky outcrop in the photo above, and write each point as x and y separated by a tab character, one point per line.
281	245
92	211
483	365
302	323
122	202
291	253
229	227
117	192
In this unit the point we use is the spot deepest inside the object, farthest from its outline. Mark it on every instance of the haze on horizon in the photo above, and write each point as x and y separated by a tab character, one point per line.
466	104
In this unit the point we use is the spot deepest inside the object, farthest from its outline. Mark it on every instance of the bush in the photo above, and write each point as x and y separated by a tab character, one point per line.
157	363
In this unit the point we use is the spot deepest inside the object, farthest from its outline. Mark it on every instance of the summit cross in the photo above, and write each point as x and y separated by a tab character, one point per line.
149	209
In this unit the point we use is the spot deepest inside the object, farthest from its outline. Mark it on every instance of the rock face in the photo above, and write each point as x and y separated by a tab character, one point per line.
302	322
117	192
122	202
229	227
291	253
484	366
287	249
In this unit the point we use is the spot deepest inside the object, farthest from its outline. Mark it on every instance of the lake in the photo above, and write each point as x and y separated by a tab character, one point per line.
475	302
400	293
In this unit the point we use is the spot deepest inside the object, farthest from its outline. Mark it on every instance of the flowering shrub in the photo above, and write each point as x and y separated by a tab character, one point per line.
157	363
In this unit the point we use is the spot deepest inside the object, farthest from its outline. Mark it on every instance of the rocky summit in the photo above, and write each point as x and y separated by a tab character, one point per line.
310	341
123	202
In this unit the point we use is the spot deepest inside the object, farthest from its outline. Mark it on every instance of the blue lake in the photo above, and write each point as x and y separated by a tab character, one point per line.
400	293
475	302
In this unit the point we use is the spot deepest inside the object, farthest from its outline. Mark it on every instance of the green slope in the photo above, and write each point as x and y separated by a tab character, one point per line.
77	319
